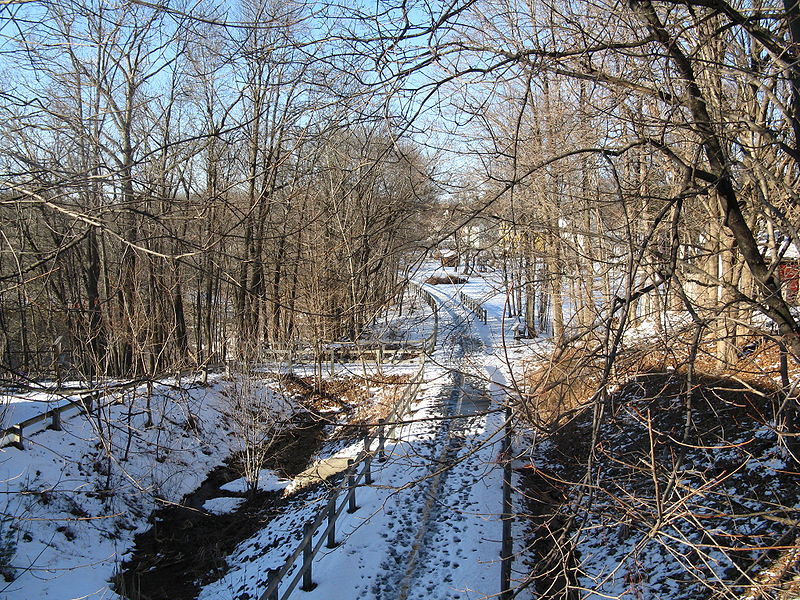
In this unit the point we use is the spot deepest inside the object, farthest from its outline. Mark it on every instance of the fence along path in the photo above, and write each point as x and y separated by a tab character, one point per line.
475	306
15	434
86	401
376	351
360	469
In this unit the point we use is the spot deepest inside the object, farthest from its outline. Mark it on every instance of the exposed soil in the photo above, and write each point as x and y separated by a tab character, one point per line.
186	546
333	392
707	461
446	280
352	395
550	555
348	393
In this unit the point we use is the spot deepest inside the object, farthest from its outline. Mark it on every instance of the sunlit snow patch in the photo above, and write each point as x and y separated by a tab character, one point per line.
221	506
268	481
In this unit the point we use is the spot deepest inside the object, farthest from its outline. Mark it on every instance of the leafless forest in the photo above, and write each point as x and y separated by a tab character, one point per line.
184	183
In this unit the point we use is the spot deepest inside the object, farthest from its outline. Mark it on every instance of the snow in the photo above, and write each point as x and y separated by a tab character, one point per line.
268	481
17	407
75	511
75	499
421	531
222	505
433	533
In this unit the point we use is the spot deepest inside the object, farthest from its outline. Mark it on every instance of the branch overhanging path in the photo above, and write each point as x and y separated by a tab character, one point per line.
430	524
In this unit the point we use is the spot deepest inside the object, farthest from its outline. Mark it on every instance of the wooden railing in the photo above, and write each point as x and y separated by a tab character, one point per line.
376	351
332	353
423	294
343	497
15	434
472	304
87	399
359	469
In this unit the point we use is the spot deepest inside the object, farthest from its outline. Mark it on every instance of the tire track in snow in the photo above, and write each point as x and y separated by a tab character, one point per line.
447	562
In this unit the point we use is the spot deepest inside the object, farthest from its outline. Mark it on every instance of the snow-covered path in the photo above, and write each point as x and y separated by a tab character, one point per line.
433	528
429	526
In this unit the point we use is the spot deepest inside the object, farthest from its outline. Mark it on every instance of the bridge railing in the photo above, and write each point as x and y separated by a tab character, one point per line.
474	305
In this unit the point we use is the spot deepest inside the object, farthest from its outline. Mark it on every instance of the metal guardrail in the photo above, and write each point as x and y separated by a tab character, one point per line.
360	469
15	434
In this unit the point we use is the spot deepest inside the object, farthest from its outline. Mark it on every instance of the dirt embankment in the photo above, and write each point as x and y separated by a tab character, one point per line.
685	493
550	554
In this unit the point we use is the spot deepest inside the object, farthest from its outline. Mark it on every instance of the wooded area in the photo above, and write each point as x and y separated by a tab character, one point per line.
178	192
188	184
645	155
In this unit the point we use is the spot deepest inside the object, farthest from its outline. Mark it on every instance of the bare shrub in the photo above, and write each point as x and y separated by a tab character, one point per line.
561	386
257	416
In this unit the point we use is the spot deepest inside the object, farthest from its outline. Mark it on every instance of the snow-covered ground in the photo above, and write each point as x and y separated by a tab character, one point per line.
501	359
74	499
17	406
429	526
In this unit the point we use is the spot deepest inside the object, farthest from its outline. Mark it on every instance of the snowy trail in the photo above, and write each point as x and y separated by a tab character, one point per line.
448	492
448	499
448	535
429	527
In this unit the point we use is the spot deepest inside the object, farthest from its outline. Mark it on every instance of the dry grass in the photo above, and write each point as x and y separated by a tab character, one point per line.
390	388
364	401
557	387
561	386
757	362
